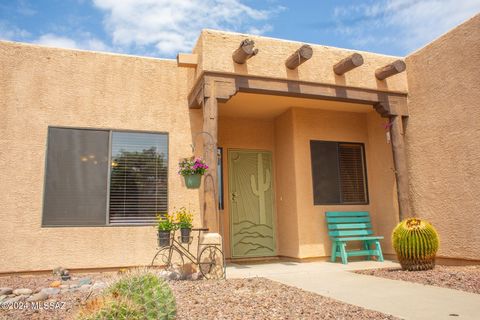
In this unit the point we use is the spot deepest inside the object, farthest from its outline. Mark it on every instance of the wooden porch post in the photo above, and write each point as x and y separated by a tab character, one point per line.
210	125
400	161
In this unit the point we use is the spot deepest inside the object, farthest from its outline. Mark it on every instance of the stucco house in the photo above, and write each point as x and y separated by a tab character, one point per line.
289	131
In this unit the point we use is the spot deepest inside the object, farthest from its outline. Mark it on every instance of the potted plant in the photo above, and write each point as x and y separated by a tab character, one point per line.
184	220
192	169
165	226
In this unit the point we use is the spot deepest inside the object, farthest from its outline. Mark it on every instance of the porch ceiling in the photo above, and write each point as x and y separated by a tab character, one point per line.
253	105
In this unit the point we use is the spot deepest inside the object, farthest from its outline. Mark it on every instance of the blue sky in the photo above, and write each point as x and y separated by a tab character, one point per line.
161	28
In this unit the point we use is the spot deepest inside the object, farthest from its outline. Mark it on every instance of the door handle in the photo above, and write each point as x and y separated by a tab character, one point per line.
234	196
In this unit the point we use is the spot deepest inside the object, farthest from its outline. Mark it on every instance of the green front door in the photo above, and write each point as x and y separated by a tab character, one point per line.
251	203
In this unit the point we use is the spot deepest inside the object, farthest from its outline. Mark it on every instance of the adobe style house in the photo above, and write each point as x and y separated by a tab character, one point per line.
90	144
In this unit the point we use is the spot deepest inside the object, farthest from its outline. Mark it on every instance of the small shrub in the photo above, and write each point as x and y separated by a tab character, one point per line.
134	296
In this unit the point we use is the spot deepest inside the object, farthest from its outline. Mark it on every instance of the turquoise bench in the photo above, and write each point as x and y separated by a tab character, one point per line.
349	226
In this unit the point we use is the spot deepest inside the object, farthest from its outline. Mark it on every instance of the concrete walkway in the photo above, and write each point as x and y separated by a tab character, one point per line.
399	298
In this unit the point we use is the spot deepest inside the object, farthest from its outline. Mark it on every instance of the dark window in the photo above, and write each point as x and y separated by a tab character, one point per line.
338	173
76	177
101	177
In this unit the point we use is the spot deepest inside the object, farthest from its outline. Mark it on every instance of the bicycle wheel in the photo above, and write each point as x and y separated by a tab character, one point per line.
210	262
169	258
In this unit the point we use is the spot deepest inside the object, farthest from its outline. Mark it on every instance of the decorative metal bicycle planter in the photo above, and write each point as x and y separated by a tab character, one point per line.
209	257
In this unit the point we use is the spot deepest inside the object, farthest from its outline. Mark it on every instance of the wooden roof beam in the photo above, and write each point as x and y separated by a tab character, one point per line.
390	69
351	62
304	53
245	51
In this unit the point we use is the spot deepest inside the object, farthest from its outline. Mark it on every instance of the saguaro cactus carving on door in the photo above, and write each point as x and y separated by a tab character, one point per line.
250	179
260	186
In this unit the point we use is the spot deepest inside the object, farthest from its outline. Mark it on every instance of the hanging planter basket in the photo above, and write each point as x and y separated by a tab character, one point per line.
192	169
193	181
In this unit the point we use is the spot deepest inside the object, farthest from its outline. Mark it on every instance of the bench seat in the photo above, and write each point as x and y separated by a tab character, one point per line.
346	226
357	238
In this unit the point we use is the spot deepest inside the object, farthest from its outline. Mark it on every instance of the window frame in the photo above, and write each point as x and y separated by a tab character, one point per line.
364	160
110	131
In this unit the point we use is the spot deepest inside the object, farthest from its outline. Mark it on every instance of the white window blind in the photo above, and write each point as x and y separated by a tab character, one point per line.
351	169
138	177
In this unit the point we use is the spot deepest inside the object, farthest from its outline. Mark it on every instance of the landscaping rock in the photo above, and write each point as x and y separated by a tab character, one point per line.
16	299
65	274
41	296
84	281
85	287
3	297
173	275
50	291
55	284
23	291
5	291
99	285
195	276
57	271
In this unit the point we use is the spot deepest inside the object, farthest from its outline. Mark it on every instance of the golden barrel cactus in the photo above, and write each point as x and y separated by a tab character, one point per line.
416	243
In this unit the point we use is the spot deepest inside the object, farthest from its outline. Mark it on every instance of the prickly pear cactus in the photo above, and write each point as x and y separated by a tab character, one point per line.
416	243
135	296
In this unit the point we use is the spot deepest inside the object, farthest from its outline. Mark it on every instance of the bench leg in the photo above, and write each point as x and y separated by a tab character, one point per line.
334	251
343	252
379	249
366	246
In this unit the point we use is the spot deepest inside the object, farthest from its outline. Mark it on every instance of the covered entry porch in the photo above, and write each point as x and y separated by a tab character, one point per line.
277	124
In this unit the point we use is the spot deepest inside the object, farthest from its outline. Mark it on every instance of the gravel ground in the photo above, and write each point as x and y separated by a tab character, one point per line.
259	298
256	298
465	278
62	306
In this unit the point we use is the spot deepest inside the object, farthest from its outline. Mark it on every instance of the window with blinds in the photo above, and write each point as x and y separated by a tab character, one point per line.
104	177
138	177
338	173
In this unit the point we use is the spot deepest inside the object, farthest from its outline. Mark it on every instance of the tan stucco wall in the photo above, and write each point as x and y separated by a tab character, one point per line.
286	191
41	87
238	133
443	138
216	48
365	128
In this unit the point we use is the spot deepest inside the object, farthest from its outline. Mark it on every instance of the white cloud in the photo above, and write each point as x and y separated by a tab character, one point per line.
86	42
53	40
172	26
410	24
9	32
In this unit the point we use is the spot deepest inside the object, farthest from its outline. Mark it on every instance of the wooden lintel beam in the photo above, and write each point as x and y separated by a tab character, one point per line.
196	96
351	62
390	69
189	60
245	51
304	53
227	85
